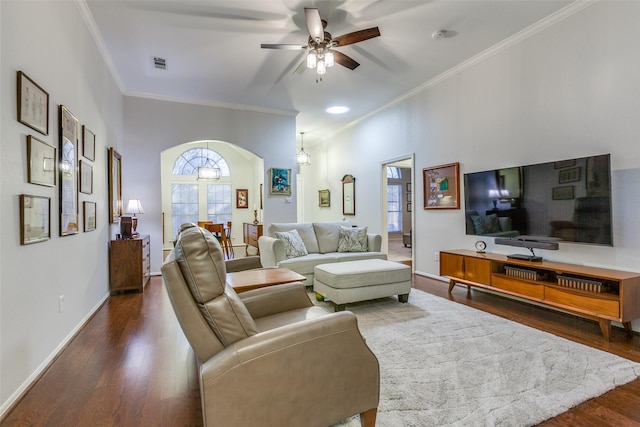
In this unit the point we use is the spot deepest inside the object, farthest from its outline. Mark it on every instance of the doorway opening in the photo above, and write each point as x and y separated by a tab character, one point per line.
397	209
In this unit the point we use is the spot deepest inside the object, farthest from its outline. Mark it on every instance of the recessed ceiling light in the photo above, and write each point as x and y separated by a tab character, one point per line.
337	109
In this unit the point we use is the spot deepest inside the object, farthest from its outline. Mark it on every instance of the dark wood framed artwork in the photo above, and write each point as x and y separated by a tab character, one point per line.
242	198
441	186
68	178
41	162
33	104
35	219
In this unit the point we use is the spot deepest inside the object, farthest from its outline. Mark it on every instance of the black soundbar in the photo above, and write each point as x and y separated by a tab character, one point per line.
523	242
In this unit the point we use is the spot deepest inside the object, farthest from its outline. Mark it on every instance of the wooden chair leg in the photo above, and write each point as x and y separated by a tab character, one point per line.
368	418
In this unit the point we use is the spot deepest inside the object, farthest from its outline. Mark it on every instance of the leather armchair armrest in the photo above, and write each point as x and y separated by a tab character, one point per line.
271	251
281	369
241	264
275	299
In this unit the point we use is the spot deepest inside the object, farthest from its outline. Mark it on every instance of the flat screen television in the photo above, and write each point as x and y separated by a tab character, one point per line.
565	200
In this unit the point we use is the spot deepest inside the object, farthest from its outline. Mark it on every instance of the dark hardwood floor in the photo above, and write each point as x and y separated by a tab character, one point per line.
132	366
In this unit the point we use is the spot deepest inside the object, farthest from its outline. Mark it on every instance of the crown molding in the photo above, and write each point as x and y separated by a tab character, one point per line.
499	47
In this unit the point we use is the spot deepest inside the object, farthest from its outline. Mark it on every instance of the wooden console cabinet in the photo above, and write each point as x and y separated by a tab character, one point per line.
594	293
129	264
251	233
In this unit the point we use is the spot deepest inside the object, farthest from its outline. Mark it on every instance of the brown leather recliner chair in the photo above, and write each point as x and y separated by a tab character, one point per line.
269	357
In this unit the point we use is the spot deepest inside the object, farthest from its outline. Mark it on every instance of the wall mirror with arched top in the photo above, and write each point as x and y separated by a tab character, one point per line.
348	195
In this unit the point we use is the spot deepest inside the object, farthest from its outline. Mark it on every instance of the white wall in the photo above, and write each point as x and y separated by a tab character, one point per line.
49	41
571	90
152	126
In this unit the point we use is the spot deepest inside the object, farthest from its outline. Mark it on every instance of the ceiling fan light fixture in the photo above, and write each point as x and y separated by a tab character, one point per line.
328	59
312	60
321	68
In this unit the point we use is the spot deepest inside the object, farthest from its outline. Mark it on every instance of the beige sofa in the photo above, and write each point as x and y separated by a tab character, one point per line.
268	356
321	241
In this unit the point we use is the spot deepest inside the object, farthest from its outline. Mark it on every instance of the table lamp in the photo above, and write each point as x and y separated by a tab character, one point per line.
134	207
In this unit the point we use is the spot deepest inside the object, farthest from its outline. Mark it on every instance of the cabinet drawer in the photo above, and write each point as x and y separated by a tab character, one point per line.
518	287
595	305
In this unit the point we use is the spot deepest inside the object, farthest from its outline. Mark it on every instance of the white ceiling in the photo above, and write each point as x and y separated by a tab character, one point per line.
214	57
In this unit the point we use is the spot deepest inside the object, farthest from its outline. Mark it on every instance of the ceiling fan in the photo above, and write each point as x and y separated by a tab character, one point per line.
321	45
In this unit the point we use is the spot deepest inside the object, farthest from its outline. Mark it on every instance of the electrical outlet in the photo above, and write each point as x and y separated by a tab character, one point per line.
61	303
436	256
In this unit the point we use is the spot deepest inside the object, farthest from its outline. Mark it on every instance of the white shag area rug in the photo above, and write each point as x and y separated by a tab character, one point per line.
443	363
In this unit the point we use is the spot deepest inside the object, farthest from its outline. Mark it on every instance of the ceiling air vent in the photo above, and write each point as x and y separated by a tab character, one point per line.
159	63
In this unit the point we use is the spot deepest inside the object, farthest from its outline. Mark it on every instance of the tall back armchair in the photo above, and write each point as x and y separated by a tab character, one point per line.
268	356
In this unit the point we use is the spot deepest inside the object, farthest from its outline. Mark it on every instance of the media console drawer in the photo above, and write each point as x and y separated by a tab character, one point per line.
522	288
596	305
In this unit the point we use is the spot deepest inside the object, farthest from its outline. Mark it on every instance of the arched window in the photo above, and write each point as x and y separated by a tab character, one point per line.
189	162
394	172
190	197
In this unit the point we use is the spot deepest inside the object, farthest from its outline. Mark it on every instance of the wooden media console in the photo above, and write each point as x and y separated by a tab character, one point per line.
594	293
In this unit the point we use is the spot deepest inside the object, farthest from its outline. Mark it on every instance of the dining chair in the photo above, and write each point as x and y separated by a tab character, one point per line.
219	232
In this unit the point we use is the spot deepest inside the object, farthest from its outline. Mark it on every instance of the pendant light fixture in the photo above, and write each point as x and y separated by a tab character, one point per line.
209	173
303	158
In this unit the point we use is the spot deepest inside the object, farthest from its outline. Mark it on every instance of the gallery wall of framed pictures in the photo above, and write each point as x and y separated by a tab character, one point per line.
68	165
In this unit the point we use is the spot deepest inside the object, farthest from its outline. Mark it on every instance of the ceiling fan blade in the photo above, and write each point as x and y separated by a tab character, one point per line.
344	60
283	46
356	36
301	68
314	23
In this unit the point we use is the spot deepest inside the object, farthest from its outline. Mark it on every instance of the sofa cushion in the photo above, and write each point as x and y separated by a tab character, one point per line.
293	244
304	265
304	229
353	239
328	235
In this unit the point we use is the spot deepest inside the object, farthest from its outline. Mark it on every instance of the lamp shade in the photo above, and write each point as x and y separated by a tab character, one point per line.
134	207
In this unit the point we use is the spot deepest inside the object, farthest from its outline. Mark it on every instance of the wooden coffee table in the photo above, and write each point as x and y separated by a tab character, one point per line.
243	281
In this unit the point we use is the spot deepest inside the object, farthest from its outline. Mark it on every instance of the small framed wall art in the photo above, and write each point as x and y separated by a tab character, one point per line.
88	144
280	182
86	178
89	215
35	219
442	186
324	198
33	104
42	163
242	198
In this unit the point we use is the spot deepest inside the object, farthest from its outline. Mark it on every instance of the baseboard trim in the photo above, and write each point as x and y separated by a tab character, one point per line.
431	276
26	386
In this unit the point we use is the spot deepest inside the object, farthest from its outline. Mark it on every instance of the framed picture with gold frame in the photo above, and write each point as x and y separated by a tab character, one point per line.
441	186
68	166
35	219
41	162
33	104
324	198
280	182
115	185
89	215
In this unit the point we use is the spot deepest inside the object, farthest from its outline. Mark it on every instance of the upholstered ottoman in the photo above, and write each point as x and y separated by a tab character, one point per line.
352	281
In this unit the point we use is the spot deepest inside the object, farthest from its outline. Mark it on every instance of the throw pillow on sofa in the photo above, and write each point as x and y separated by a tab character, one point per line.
353	239
293	245
485	224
